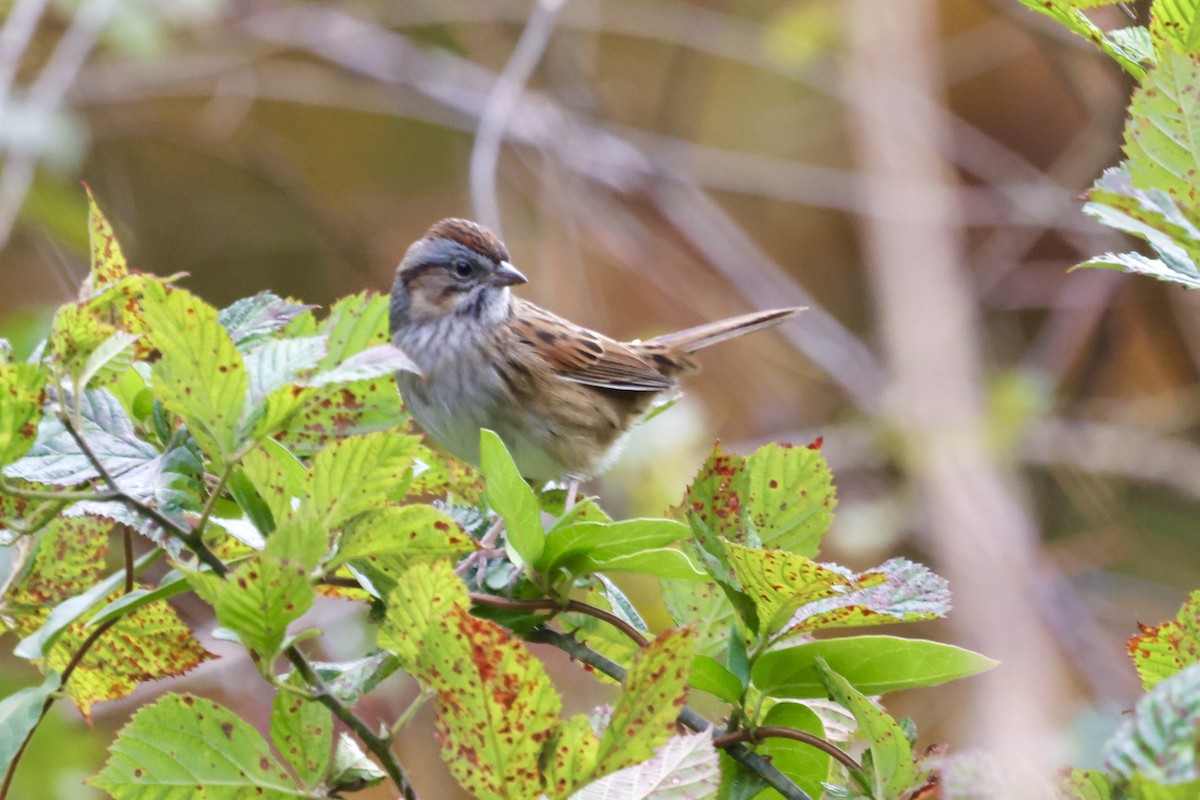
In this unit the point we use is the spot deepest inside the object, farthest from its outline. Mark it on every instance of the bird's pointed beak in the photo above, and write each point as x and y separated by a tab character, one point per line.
507	275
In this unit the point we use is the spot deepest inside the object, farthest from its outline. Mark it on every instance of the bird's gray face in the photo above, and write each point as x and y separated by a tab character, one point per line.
441	277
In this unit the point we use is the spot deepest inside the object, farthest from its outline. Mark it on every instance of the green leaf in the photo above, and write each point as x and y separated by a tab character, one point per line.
277	475
602	541
108	360
709	675
185	747
654	690
1162	141
495	705
1068	13
570	756
278	363
263	595
892	770
1084	784
872	664
683	768
790	497
36	645
1176	23
302	731
780	582
1161	651
359	474
380	361
251	319
1158	742
714	505
704	606
20	713
511	497
173	583
354	324
408	532
352	769
57	459
201	376
333	412
663	562
108	262
807	766
21	395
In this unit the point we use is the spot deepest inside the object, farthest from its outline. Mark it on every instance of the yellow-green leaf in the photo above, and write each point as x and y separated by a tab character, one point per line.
1160	651
21	395
201	375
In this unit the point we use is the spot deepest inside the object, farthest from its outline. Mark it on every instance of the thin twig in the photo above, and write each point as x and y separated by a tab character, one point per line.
374	743
493	119
550	604
776	732
544	634
65	496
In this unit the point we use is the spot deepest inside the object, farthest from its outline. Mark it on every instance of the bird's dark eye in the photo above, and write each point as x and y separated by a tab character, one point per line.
463	268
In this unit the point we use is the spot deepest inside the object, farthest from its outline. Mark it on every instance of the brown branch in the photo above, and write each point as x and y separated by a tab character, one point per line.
775	732
549	604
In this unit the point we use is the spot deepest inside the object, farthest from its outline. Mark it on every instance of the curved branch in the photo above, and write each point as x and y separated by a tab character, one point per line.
549	604
776	732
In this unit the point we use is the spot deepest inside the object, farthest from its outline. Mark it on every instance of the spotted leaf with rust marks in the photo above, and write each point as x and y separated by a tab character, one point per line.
495	706
184	746
1160	651
654	691
21	395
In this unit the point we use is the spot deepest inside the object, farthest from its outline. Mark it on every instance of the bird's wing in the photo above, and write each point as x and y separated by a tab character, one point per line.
583	356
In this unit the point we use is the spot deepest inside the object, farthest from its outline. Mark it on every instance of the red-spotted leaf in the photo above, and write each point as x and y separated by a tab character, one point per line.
896	591
495	705
21	388
790	497
892	770
1084	784
302	731
108	262
185	746
570	756
200	376
405	532
654	690
1160	651
358	474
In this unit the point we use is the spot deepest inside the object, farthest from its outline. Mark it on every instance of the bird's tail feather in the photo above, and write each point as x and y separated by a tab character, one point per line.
693	339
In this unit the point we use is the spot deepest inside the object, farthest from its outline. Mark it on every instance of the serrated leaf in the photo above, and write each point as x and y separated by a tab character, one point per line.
250	319
173	583
278	363
495	706
1177	22
278	476
683	768
706	608
1162	142
511	497
804	764
354	324
108	262
57	459
872	664
110	358
21	395
1161	651
1138	264
189	747
201	376
1158	742
263	595
1084	784
654	689
896	591
381	361
570	756
410	532
714	504
355	475
302	731
1068	13
789	497
332	412
20	713
780	582
892	770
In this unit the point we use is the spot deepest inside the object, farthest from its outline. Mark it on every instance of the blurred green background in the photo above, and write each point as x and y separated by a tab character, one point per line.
909	169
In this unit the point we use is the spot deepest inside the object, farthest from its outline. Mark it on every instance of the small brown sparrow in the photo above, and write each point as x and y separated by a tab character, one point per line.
560	396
